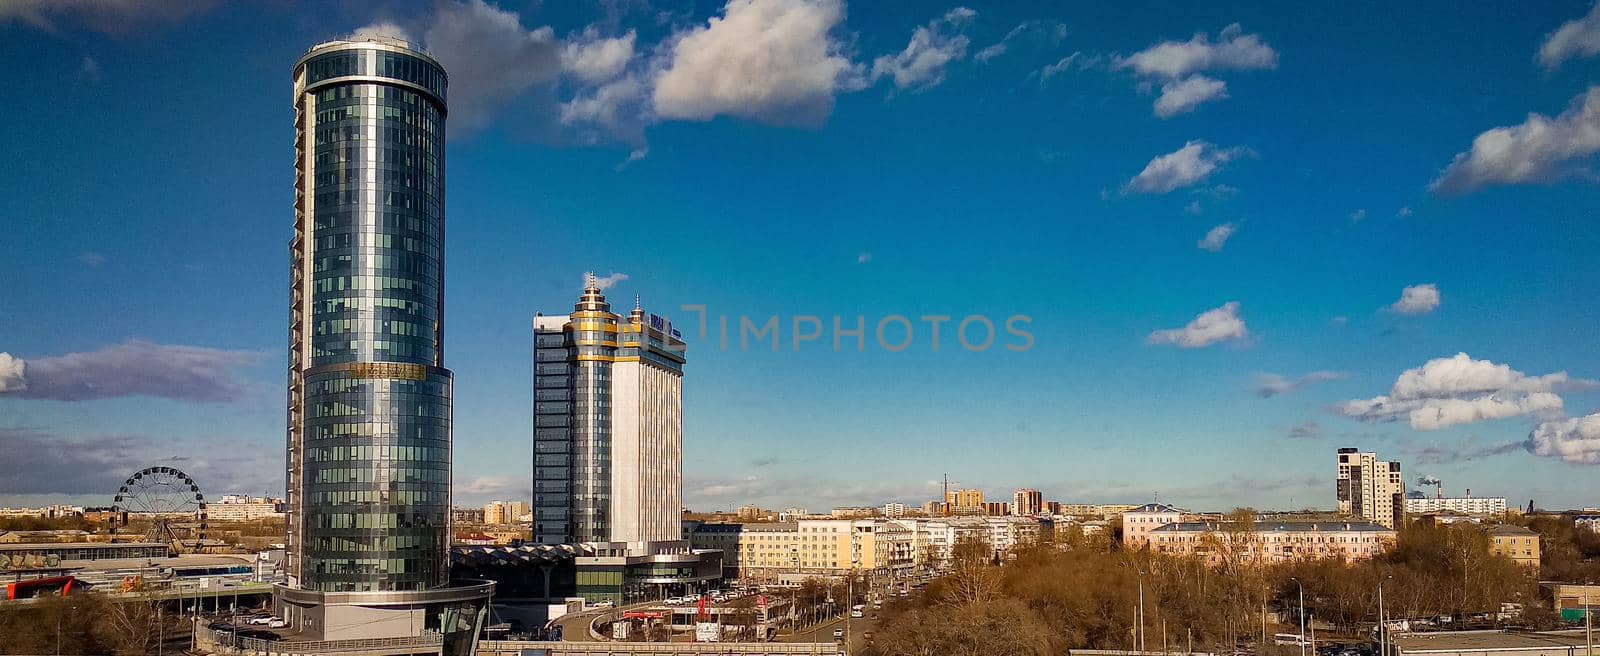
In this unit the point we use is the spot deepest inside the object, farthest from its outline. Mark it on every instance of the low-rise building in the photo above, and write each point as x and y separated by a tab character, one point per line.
808	547
1587	521
1572	600
239	508
1273	542
44	537
1519	544
1468	505
1138	523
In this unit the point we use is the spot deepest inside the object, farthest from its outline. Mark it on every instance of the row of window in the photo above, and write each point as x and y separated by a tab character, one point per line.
386	429
387	64
335	520
389	136
323	351
389	178
379	542
381	91
391	498
385	475
326	199
379	452
392	222
339	384
369	304
380	110
370	158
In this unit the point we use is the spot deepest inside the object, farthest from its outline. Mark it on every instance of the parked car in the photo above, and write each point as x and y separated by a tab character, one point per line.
838	633
672	601
277	624
261	621
603	604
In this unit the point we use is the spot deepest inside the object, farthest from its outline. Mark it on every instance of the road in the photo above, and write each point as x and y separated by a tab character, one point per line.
823	632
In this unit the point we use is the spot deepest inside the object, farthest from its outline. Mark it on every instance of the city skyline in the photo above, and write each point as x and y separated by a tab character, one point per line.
1238	246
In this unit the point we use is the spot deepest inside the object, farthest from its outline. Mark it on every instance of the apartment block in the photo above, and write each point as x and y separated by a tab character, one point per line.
1369	488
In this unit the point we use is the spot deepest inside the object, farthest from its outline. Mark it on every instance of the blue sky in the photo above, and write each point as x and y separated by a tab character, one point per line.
1211	219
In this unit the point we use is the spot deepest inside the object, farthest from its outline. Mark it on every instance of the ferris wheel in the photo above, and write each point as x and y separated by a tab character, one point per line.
170	499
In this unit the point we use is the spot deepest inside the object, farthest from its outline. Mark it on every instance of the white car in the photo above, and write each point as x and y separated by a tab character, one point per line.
277	624
672	601
603	604
259	621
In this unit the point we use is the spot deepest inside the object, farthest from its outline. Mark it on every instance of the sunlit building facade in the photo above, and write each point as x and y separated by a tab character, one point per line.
608	425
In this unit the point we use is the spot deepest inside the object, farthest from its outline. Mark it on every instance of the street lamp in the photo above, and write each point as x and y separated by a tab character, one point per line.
1302	615
1383	619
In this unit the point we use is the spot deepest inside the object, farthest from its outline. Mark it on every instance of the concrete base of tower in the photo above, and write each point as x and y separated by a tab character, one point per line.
451	617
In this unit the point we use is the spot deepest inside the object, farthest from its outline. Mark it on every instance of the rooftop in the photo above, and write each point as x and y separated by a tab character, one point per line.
1453	641
1283	527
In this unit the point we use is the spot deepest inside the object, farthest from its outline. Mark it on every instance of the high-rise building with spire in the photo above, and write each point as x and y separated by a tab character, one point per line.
608	424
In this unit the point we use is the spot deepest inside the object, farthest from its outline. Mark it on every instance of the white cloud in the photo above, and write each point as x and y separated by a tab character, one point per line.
1184	95
384	28
13	372
89	69
1269	385
1403	212
1212	326
766	60
1076	59
863	257
1216	237
491	58
933	46
107	16
1574	39
1306	431
1358	216
607	281
1447	392
1050	32
1193	207
1417	299
91	258
133	368
1576	441
1175	59
617	105
595	58
1192	163
1539	150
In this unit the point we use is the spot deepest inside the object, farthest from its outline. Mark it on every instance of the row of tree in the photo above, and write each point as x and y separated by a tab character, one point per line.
1085	593
85	623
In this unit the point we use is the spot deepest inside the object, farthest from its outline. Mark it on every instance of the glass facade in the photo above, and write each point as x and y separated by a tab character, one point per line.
370	399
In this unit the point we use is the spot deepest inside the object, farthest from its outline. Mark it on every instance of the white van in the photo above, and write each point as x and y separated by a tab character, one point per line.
1289	639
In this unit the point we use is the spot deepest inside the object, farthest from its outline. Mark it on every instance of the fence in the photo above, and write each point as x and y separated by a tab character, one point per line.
527	648
228	640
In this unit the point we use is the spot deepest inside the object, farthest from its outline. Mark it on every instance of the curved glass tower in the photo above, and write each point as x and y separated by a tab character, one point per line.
369	397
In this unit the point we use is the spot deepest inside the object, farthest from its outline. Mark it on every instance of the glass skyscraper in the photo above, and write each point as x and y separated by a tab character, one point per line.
369	411
369	439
